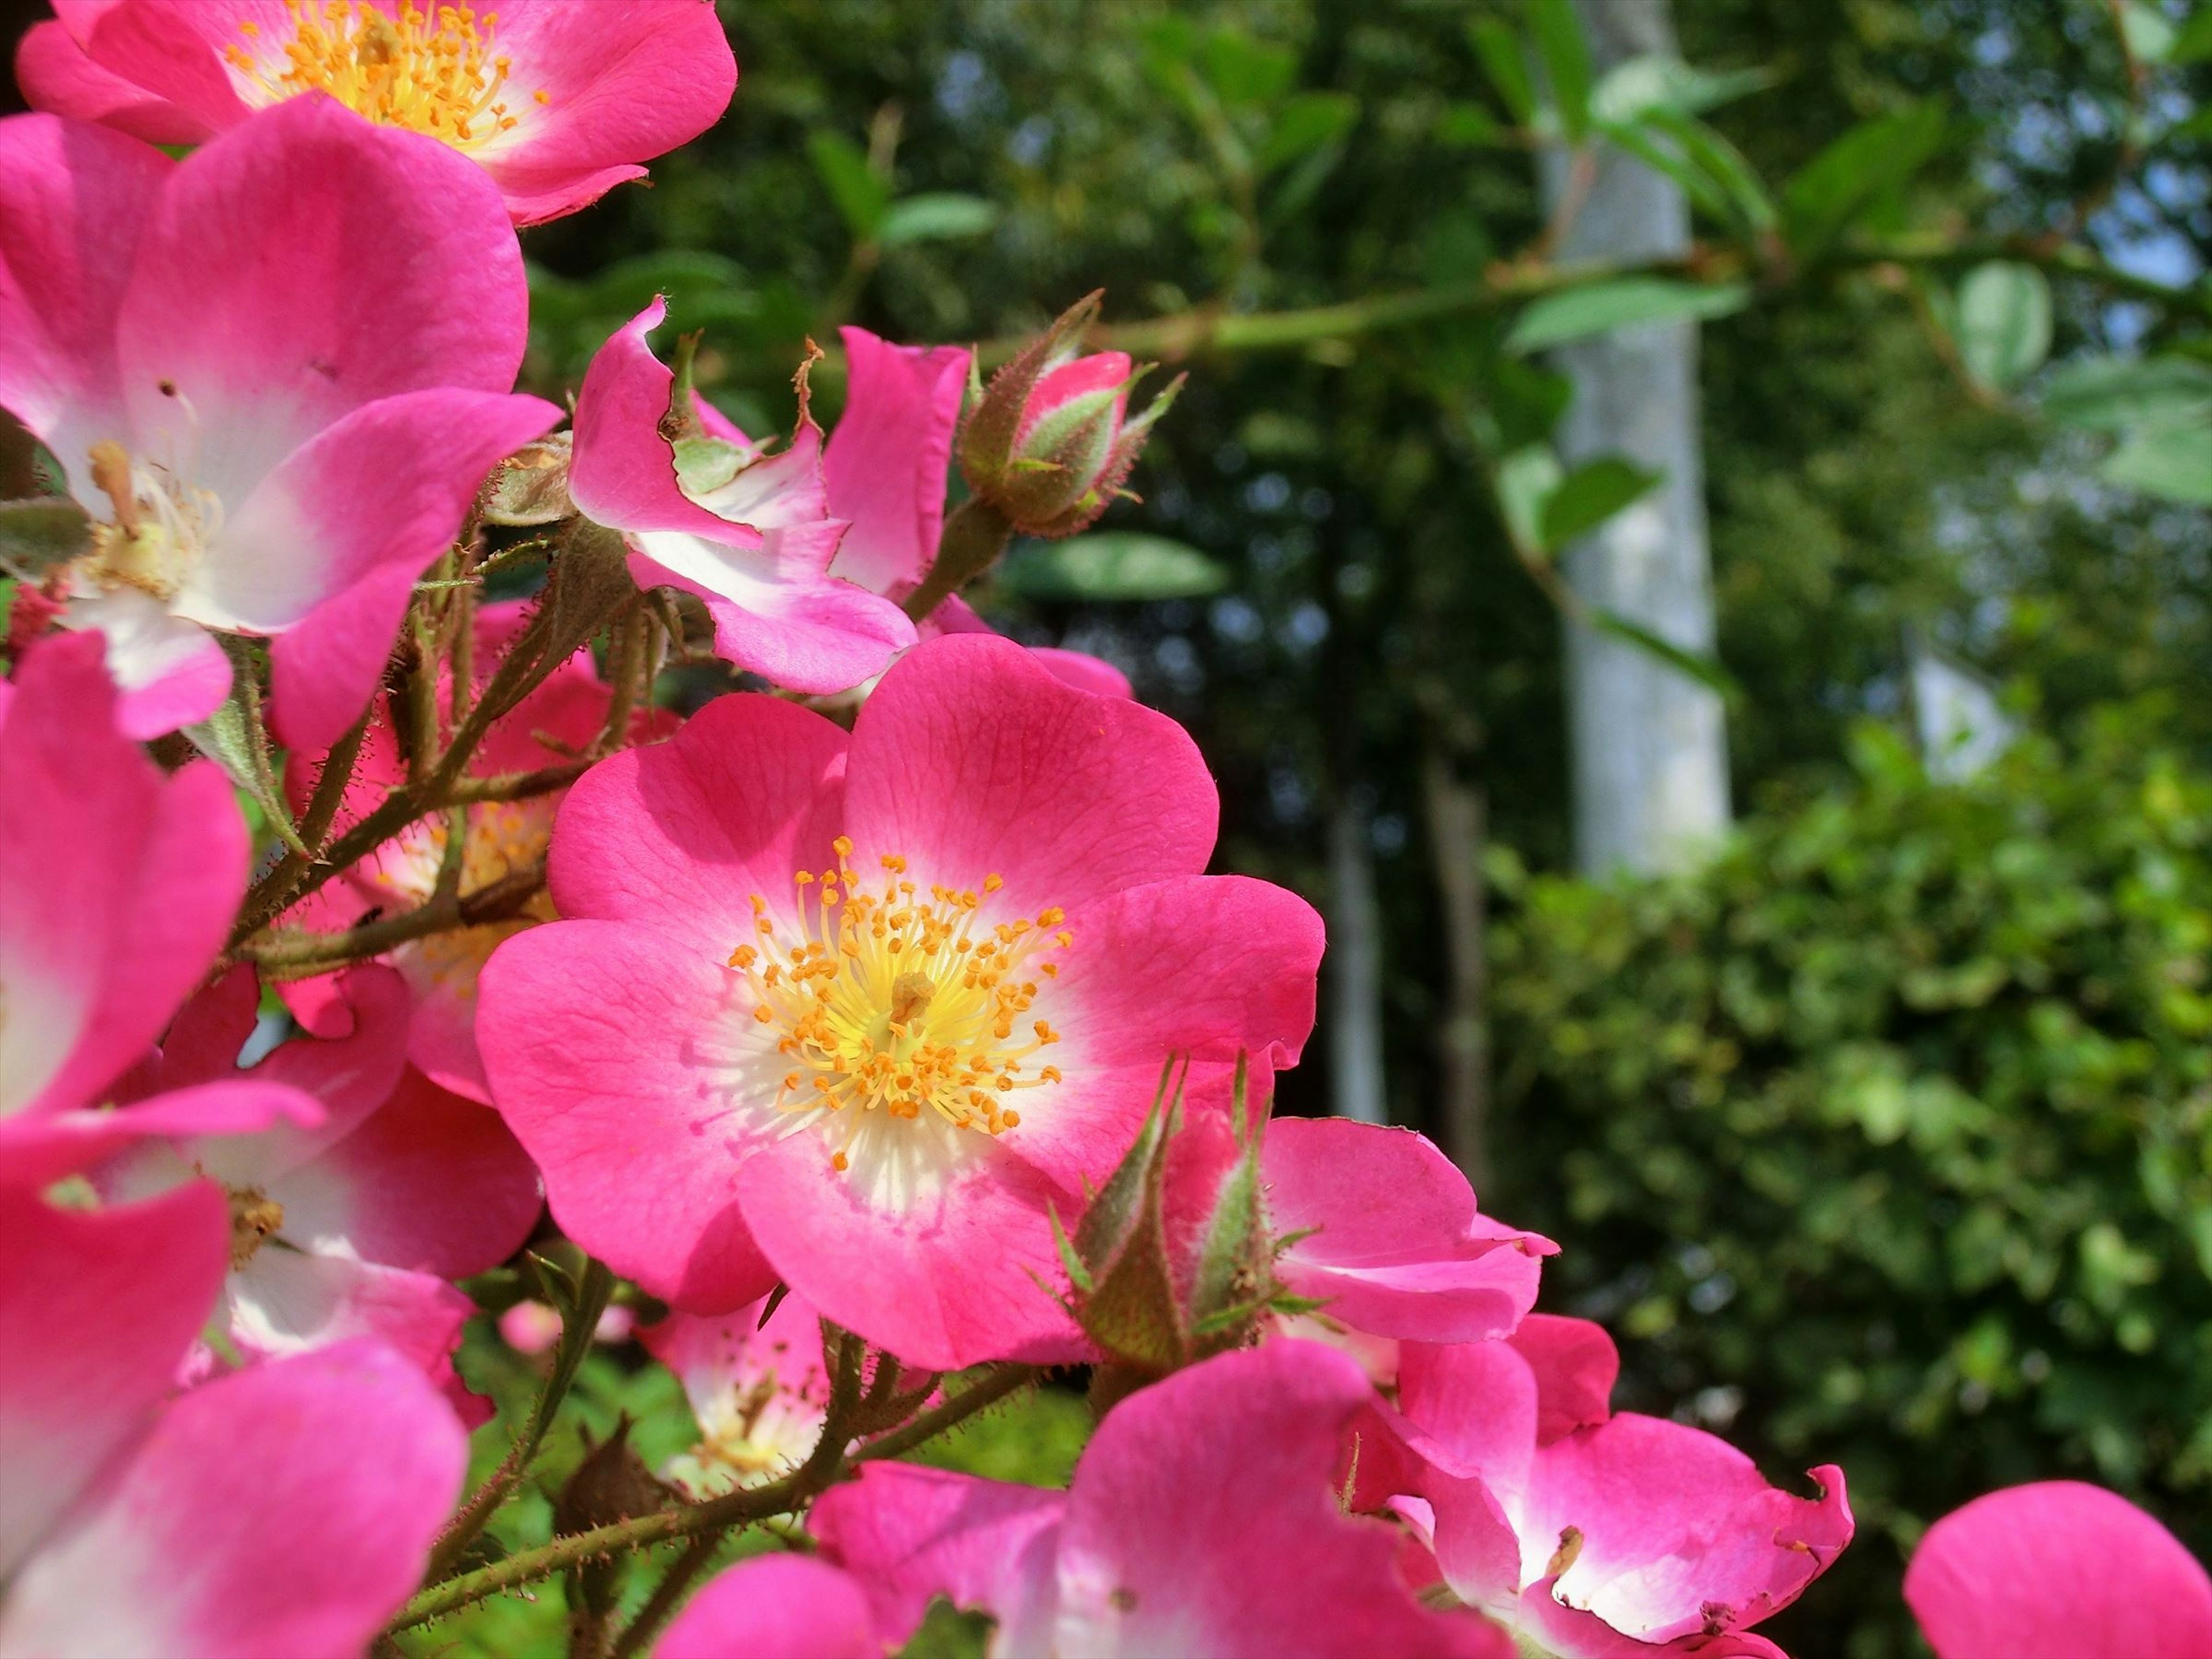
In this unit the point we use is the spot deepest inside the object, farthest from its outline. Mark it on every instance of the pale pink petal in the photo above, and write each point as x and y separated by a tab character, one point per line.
680	836
607	1049
886	463
909	1535
758	1389
289	1301
1570	1634
74	199
1394	1244
56	76
117	884
39	1147
1575	1364
298	267
2058	1569
1085	671
1204	1518
1679	1532
97	1311
791	1606
624	80
818	637
428	1181
285	1510
953	1230
964	720
169	673
622	473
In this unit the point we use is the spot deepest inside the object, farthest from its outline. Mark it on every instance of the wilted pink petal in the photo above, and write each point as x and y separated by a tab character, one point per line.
2059	1569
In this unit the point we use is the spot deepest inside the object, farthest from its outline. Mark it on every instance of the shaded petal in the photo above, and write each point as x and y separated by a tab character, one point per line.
288	1508
117	884
1395	1245
57	75
679	835
791	1605
886	463
97	1312
910	1534
170	50
300	266
609	1050
1575	1364
74	199
169	673
814	636
2059	1569
972	759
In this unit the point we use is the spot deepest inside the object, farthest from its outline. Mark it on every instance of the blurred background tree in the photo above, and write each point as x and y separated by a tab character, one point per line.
1882	1131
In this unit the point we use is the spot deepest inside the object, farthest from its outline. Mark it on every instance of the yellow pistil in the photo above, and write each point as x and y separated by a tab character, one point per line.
428	68
253	1216
887	1000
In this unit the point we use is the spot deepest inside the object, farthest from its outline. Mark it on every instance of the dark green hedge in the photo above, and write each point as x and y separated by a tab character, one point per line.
1887	1138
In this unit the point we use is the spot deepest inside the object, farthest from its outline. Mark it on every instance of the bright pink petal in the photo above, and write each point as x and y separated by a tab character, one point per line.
74	199
622	473
1204	1518
930	1244
170	50
680	836
117	884
1575	1364
1474	1407
288	1508
97	1311
791	1605
430	1182
300	266
886	463
623	80
56	76
970	759
1085	671
39	1147
2059	1569
814	636
1679	1532
169	673
909	1535
1099	371
1394	1244
601	1041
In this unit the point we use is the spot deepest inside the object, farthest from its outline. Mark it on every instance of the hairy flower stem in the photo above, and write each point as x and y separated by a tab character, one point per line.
973	537
822	1469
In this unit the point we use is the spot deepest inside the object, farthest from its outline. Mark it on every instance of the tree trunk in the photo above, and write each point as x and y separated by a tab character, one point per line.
1458	814
1651	754
1354	981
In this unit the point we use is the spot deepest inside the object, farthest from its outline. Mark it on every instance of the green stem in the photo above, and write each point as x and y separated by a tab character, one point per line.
973	538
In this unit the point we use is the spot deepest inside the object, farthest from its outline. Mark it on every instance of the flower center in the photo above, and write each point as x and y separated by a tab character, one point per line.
254	1217
429	70
889	1001
504	838
162	525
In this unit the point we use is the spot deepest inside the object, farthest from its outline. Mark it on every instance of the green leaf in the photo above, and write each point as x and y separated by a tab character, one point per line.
862	197
1577	312
1499	49
1637	88
1860	171
2114	394
1566	60
2150	37
2002	322
1245	71
41	531
1112	565
937	216
1526	481
1467	125
2193	44
1706	671
2174	462
1305	123
1590	495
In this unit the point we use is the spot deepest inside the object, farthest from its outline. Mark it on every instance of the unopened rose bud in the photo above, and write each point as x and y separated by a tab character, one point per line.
1050	442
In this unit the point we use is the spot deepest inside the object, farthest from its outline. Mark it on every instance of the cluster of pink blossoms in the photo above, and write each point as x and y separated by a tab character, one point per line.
881	1026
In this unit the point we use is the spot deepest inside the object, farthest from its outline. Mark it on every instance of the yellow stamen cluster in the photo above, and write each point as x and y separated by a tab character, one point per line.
429	70
504	839
891	1001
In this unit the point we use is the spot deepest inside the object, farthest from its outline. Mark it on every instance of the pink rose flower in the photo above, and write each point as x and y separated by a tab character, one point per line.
276	373
562	715
2059	1569
355	1226
758	1391
1597	1536
749	533
557	102
853	1012
1203	1519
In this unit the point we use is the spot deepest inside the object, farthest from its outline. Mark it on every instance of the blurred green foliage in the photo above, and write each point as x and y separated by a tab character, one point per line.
1887	1139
